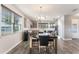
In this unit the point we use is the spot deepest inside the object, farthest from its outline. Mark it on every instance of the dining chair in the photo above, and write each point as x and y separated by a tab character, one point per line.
51	43
43	42
35	42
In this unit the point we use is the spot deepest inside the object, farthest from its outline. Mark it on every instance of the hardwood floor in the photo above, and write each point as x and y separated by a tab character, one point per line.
22	48
64	47
71	46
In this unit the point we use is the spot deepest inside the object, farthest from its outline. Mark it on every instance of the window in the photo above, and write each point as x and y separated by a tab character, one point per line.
10	22
16	23
6	16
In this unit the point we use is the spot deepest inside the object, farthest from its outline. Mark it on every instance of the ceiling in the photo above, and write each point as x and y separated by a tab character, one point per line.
48	10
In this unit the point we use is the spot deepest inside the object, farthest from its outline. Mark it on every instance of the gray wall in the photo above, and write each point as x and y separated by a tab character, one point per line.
64	27
67	27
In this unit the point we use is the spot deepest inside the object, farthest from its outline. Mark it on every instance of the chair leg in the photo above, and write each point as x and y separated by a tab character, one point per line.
39	49
53	44
30	51
47	49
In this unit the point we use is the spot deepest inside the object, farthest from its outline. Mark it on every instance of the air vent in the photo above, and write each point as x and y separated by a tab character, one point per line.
74	10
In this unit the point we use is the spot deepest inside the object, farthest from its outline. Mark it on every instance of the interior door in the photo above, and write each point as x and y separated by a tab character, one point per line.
75	28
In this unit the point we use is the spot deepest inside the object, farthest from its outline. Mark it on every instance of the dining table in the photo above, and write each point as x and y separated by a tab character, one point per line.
52	38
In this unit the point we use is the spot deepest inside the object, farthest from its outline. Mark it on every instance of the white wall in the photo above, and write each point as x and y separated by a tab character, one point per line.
75	20
10	41
75	34
60	33
61	27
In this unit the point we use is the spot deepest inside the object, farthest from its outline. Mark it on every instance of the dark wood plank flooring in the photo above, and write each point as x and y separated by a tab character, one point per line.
64	47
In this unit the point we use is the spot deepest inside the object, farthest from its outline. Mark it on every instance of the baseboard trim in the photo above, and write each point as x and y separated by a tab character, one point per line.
12	47
68	39
64	38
